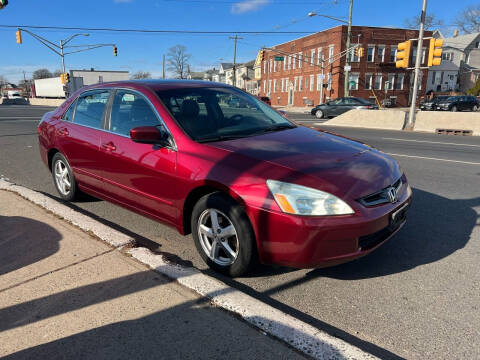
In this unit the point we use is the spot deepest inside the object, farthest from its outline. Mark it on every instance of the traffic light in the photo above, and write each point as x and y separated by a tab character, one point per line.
262	55
403	54
115	51
64	78
359	52
19	35
3	3
435	52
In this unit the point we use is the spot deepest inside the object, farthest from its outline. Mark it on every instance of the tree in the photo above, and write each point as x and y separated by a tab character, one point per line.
3	80
57	73
177	61
431	22
141	75
475	90
468	20
42	74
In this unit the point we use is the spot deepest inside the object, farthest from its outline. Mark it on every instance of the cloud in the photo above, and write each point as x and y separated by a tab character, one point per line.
248	5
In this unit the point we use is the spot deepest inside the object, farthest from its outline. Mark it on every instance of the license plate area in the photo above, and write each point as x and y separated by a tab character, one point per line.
398	216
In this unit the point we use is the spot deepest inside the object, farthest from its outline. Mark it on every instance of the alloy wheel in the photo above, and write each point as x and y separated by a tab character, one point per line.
62	177
319	114
218	237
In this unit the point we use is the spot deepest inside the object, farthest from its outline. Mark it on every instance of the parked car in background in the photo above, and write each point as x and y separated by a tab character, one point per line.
459	103
341	105
265	99
431	104
246	182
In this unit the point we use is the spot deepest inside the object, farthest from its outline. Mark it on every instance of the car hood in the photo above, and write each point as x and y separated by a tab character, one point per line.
319	159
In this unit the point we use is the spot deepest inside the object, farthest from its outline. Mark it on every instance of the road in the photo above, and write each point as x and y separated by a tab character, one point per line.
416	297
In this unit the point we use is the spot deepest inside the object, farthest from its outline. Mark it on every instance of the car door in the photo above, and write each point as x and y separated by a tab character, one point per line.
334	107
140	176
344	105
78	137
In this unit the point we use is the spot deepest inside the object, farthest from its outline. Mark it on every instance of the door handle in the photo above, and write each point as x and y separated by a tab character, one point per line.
62	132
110	146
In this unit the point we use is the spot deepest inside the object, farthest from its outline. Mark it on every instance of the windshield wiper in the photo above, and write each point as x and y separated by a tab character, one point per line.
278	127
220	138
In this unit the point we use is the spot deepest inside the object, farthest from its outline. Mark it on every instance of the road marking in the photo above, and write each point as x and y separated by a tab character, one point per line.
437	159
20	117
431	142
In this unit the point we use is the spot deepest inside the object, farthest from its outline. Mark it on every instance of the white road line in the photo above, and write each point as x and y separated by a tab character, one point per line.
20	117
437	159
431	142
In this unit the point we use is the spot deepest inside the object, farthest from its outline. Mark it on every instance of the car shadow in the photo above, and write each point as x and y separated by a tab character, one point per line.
25	241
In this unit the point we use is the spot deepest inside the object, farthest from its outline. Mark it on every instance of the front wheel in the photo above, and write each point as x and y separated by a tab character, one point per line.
319	114
223	234
454	108
63	178
475	108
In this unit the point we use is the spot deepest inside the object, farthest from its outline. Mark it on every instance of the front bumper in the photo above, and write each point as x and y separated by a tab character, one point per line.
308	242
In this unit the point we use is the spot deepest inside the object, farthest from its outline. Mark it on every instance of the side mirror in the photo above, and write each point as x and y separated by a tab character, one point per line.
150	135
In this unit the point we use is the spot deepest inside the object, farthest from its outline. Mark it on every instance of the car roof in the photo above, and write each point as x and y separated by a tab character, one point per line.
159	84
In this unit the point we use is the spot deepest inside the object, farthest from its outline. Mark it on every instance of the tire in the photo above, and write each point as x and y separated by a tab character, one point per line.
63	178
475	108
454	108
239	238
319	114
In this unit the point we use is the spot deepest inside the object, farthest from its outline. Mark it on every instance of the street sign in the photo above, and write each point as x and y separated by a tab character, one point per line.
347	68
352	83
279	58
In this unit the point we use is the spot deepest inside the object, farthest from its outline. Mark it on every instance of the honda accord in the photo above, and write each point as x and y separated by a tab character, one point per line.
250	185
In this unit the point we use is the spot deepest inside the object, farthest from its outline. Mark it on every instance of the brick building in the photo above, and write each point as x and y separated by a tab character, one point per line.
298	79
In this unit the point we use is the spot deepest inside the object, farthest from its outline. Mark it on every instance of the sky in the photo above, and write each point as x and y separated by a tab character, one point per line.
143	52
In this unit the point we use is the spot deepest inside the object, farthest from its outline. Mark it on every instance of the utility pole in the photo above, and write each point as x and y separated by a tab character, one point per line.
235	38
346	91
411	114
163	67
62	56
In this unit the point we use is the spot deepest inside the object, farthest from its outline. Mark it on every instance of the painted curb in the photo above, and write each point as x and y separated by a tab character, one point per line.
298	334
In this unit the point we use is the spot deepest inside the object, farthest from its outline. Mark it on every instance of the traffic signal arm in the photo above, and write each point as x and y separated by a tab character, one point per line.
403	54
435	52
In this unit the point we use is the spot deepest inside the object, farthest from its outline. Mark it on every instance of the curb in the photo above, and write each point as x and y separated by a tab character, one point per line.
298	334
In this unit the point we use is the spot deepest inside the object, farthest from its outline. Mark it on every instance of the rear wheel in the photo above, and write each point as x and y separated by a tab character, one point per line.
63	178
223	234
319	114
454	108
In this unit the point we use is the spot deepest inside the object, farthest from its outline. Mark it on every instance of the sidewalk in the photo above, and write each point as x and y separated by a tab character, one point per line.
64	294
294	109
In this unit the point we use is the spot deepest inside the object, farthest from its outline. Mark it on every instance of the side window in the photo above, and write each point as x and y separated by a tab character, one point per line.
130	110
68	116
90	107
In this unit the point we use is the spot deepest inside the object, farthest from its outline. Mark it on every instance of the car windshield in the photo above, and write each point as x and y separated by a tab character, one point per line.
452	98
440	99
214	114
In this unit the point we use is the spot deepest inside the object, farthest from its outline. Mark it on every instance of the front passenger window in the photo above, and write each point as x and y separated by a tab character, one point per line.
131	110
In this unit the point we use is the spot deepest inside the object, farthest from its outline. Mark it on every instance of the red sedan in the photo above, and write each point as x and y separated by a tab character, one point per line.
246	182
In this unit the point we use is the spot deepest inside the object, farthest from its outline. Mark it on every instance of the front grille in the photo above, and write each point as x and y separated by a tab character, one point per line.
382	197
368	242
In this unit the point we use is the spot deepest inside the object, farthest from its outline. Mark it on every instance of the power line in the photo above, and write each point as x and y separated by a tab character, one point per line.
148	31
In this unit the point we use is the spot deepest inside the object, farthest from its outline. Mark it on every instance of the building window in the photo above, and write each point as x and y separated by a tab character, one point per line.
300	87
295	83
264	67
294	61
424	51
353	57
312	57
477	44
300	60
270	66
393	54
264	86
353	82
399	83
368	81
391	81
312	80
438	77
275	85
467	58
287	84
269	86
371	53
378	82
289	61
319	56
274	66
381	53
283	85
331	50
329	81
319	81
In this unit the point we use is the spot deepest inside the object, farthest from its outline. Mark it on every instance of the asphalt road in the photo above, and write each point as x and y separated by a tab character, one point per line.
416	297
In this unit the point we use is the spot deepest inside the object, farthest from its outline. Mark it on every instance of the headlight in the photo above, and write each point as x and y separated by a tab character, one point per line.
302	200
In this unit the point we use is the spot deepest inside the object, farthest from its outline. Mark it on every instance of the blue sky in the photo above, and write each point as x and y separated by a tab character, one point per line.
144	51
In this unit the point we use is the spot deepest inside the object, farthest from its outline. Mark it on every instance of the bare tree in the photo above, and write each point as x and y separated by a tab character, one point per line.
57	73
141	75
468	20
42	74
3	80
431	22
177	61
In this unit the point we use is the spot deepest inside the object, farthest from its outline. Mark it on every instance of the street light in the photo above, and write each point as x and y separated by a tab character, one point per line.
313	13
65	42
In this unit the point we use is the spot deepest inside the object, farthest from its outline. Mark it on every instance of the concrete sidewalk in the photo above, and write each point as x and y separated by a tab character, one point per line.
64	294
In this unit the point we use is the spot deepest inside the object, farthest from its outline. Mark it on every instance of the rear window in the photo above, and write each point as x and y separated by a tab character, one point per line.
90	108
